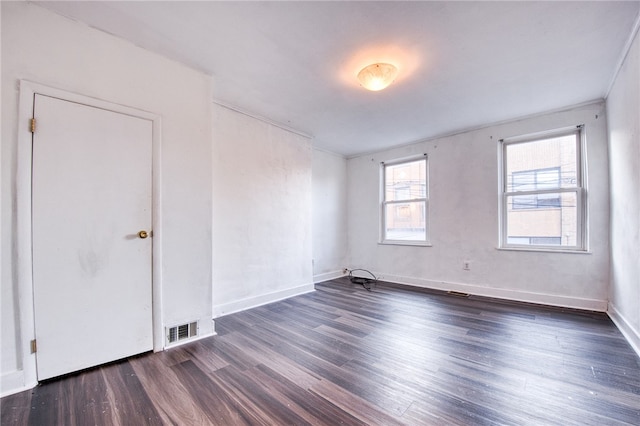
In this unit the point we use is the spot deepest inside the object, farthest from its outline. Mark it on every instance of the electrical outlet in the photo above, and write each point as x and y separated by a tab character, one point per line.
466	265
345	270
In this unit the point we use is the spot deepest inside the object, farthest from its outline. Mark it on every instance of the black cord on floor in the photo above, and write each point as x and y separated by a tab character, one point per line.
364	281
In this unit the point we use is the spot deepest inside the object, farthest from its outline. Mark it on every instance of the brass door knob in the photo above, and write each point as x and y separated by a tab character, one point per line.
143	234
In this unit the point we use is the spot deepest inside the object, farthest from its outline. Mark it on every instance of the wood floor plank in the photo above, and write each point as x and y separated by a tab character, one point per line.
218	405
231	354
356	406
171	399
328	371
344	355
253	397
51	403
127	395
79	399
16	410
314	409
291	371
322	346
204	354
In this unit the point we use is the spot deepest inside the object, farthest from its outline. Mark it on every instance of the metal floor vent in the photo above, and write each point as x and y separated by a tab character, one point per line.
182	332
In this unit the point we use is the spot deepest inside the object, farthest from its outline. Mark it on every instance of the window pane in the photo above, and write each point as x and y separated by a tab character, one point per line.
402	192
524	202
548	178
542	164
545	201
524	181
536	201
543	226
405	221
406	181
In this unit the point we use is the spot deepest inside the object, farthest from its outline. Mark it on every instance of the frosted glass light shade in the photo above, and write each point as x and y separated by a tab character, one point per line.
376	77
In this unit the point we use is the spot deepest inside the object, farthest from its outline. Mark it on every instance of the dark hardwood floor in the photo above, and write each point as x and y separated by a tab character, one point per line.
342	355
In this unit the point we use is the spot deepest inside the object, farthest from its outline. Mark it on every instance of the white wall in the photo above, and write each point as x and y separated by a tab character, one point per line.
463	172
45	48
329	215
261	212
623	112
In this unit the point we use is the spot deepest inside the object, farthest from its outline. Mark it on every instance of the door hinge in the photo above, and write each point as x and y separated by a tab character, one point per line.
34	347
32	125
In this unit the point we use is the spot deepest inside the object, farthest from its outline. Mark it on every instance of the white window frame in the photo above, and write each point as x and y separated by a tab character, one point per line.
384	203
580	190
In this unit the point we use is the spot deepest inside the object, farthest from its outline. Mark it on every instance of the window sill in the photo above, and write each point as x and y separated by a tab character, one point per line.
545	250
405	243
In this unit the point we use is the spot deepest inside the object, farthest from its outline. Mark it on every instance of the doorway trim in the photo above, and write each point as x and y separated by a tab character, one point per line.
23	230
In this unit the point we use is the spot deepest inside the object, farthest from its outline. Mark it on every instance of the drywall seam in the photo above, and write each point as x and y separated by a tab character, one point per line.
623	55
263	119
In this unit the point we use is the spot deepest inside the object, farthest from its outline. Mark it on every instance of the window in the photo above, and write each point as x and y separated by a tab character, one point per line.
533	180
543	193
404	204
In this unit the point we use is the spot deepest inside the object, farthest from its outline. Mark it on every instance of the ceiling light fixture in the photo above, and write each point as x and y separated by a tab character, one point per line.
376	77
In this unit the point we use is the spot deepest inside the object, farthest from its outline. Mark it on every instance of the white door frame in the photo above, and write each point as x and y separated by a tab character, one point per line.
23	231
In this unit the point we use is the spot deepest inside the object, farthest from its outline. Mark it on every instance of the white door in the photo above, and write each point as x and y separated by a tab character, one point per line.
91	270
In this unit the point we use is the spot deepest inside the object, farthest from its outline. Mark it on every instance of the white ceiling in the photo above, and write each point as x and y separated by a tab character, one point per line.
462	64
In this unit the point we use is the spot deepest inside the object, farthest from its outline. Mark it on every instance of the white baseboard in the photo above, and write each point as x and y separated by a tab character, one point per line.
632	335
13	382
500	293
263	299
327	276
